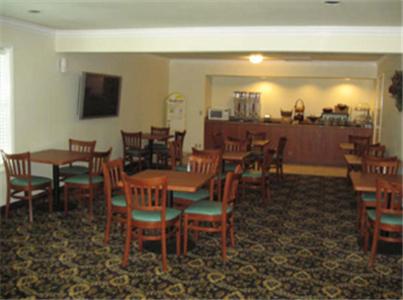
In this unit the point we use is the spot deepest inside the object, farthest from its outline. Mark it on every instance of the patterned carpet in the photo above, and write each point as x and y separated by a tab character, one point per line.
302	246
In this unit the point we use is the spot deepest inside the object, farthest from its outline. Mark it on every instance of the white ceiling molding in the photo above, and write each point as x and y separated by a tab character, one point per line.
226	39
26	26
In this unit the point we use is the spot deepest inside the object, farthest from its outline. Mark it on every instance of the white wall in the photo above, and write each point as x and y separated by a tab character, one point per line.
45	100
282	93
392	119
189	78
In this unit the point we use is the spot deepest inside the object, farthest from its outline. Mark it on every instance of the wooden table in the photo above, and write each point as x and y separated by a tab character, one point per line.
56	158
260	144
347	147
353	160
151	137
366	182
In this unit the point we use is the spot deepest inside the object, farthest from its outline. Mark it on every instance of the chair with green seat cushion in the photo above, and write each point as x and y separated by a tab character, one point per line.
134	155
87	184
386	220
229	167
21	184
74	169
114	195
146	211
220	215
196	196
374	165
181	168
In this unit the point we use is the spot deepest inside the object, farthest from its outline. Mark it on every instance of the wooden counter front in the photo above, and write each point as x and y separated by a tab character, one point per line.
307	144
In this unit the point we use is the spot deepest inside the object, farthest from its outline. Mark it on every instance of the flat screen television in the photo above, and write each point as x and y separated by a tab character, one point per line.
99	95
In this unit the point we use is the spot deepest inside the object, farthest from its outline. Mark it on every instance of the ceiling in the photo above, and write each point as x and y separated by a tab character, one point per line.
113	14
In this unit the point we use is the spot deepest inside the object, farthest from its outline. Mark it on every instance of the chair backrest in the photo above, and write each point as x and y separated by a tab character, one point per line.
231	189
375	150
231	145
82	146
202	164
175	153
146	194
282	142
360	143
131	140
17	165
97	160
389	199
113	178
215	154
380	165
179	140
163	131
255	135
218	141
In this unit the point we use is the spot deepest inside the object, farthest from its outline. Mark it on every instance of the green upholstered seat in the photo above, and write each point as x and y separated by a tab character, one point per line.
155	216
83	179
229	167
35	180
368	197
119	200
385	219
206	207
136	152
252	174
181	168
196	196
74	170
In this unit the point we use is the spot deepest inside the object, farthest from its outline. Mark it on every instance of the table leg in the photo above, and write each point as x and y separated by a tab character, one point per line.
56	187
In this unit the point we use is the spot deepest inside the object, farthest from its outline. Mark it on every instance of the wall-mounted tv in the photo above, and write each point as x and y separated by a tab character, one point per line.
99	95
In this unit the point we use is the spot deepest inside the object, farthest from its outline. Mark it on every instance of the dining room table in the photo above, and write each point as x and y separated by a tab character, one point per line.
57	158
353	162
347	147
238	157
151	138
366	182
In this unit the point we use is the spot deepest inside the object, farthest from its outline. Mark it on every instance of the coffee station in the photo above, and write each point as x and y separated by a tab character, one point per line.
312	139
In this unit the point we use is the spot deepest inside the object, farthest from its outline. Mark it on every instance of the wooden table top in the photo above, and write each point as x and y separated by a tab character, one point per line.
58	157
149	136
260	143
352	159
235	156
178	181
366	182
346	146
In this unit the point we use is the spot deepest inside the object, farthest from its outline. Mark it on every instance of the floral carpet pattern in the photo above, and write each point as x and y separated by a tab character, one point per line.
303	245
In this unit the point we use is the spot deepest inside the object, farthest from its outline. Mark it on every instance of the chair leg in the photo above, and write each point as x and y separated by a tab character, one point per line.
224	241
50	199
366	235
185	235
362	212
90	200
31	217
127	244
8	203
140	239
164	249
66	195
232	231
374	247
108	226
178	237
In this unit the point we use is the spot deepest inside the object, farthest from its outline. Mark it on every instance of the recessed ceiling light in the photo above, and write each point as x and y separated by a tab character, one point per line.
255	58
34	11
332	2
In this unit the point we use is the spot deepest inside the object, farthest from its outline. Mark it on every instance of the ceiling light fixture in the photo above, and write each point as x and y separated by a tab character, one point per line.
332	2
34	11
255	58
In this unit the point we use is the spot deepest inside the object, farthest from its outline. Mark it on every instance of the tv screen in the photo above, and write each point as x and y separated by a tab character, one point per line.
99	95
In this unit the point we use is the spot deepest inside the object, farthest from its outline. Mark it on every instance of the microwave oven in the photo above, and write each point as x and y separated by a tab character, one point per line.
218	114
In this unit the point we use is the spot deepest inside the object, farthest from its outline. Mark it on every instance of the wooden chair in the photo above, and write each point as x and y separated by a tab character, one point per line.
164	156
21	183
114	194
216	155
374	150
78	146
233	145
133	151
375	165
256	176
278	157
218	140
360	143
387	217
254	135
197	164
87	184
219	214
146	210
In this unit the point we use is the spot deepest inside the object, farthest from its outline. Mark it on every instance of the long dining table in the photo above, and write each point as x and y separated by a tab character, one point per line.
57	158
366	182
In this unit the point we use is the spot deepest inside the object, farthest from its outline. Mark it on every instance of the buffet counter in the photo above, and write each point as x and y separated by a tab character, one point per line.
307	143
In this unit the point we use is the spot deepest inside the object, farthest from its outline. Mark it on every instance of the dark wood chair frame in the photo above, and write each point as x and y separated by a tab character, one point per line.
78	146
278	160
88	190
133	141
388	202
113	185
254	135
19	166
149	194
219	223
